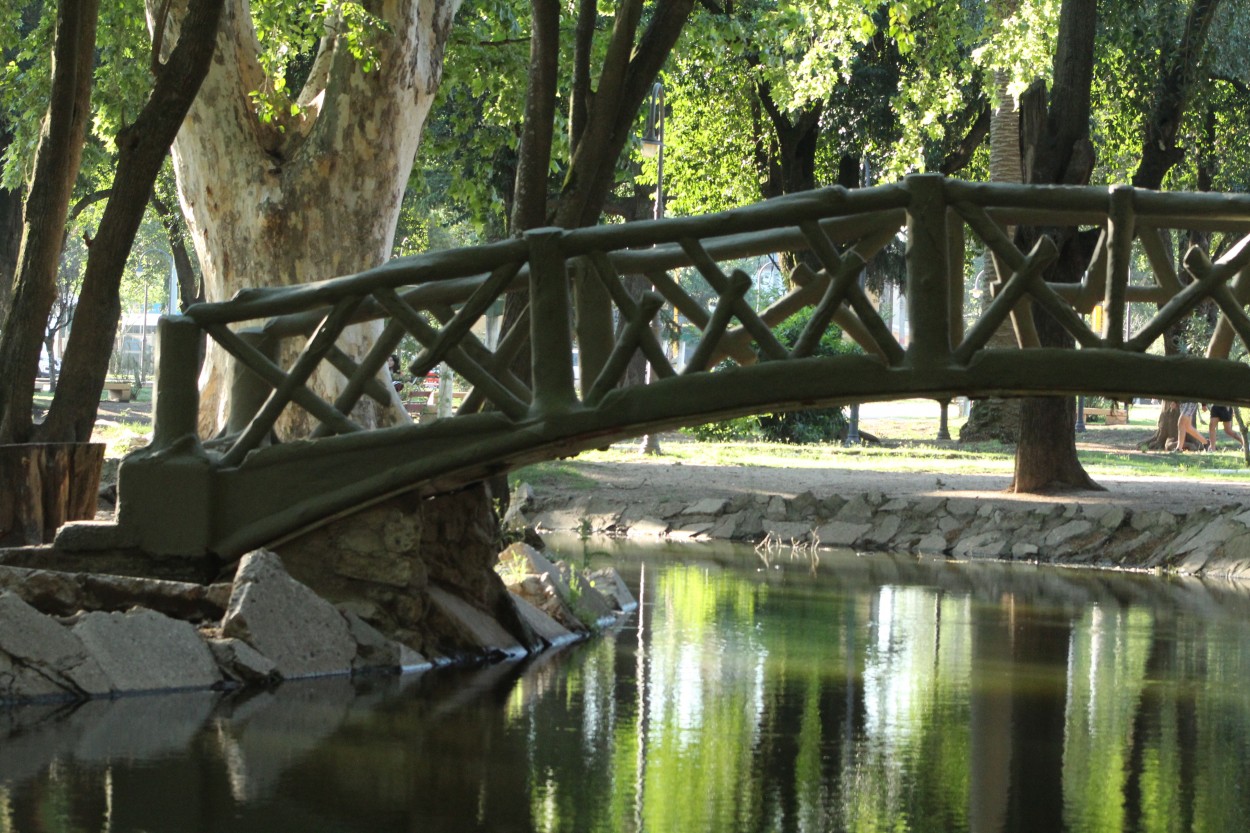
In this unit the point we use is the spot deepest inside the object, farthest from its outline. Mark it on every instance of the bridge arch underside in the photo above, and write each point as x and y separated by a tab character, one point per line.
281	491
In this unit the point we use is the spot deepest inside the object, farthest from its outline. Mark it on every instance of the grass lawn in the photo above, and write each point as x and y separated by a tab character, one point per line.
907	432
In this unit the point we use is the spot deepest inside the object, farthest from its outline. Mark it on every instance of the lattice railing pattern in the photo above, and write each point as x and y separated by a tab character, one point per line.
576	293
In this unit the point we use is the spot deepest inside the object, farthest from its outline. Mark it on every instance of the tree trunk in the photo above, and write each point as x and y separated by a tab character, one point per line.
47	205
44	485
10	230
1058	150
310	196
141	150
1165	435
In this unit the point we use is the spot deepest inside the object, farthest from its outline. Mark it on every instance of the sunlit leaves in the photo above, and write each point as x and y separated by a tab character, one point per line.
290	35
1018	40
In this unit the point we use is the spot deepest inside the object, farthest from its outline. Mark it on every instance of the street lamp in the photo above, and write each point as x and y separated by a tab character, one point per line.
653	143
653	146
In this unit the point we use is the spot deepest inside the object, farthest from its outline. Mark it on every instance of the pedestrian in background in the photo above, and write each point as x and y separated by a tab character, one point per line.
1223	415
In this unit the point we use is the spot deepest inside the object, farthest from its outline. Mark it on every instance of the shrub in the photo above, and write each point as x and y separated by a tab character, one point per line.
726	430
813	425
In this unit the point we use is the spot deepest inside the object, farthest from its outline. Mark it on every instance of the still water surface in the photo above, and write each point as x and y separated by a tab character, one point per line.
863	694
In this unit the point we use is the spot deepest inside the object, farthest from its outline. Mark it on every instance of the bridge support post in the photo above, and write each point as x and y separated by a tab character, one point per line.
176	392
1121	227
551	342
928	273
248	391
164	492
594	326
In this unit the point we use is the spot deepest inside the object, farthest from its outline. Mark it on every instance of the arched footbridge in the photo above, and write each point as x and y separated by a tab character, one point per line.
241	490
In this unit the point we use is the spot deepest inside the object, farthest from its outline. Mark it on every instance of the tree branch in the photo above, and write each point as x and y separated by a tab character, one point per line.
529	206
583	43
961	154
90	199
1178	70
161	19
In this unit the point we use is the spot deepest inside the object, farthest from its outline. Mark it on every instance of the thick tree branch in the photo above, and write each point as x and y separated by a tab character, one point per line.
1178	72
961	154
583	43
158	35
616	108
529	207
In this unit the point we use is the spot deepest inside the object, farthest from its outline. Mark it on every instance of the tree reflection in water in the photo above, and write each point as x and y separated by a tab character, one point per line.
868	694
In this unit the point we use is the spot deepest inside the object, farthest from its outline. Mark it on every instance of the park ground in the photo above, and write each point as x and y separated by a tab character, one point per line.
908	461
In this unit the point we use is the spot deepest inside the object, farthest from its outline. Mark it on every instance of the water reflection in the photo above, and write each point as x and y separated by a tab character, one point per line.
859	694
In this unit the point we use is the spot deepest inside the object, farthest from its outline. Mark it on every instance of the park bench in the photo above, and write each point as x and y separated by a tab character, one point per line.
118	391
1107	416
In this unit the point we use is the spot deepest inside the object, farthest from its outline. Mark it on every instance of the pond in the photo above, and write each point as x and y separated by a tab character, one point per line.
775	692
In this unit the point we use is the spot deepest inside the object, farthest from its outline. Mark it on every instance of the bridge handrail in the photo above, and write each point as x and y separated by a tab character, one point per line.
840	230
1009	204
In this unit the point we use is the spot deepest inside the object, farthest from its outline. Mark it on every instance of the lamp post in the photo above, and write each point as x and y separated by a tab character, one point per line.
653	145
171	290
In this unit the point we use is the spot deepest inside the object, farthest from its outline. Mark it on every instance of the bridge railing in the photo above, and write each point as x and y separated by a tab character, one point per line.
576	294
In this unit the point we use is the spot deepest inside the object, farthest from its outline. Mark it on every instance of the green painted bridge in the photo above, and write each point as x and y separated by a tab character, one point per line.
241	490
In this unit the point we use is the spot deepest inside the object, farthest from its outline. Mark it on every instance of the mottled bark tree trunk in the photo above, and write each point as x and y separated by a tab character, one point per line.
309	196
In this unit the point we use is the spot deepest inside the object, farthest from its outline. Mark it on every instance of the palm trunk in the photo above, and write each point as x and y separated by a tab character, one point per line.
999	419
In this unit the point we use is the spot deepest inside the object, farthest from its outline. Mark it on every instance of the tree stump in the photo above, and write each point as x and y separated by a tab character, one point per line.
43	485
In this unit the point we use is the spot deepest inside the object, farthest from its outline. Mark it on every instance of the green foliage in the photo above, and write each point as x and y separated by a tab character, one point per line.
745	428
812	425
468	150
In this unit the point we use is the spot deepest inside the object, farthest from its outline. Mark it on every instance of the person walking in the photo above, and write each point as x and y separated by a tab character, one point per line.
1223	415
1185	427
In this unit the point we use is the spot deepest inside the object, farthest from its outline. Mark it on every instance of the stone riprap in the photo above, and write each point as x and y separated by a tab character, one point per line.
274	628
1212	541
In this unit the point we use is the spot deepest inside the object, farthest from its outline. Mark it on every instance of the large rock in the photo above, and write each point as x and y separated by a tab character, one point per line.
42	659
841	533
547	628
143	650
300	632
475	632
64	594
378	563
609	582
243	663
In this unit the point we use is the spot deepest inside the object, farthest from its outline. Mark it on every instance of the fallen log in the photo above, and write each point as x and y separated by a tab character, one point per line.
64	594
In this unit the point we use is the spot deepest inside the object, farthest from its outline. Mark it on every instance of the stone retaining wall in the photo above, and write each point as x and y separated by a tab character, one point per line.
1212	542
